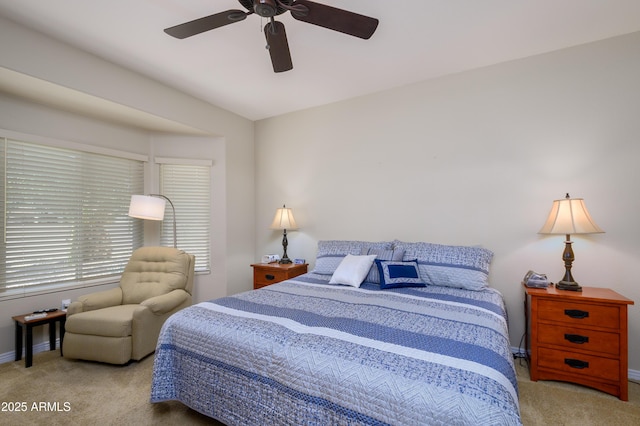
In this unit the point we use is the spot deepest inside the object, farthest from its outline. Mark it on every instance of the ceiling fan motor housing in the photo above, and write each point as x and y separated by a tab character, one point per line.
266	8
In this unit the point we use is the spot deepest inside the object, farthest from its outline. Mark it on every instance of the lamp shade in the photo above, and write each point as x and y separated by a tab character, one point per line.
284	219
147	207
569	216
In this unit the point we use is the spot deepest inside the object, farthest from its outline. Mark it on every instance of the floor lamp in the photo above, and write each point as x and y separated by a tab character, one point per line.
151	207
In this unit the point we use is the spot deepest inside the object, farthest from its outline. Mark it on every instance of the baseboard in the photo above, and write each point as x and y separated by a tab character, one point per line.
38	347
631	374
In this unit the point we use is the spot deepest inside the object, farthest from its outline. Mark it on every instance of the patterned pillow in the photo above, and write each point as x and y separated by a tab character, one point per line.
394	274
331	252
450	266
381	254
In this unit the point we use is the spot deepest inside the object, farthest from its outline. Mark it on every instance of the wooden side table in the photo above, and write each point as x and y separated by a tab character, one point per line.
265	274
579	337
28	324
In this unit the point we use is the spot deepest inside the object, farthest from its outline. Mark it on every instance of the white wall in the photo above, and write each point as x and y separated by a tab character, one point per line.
230	146
473	158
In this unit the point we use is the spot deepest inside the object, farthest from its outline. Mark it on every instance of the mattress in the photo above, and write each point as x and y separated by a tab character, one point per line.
306	352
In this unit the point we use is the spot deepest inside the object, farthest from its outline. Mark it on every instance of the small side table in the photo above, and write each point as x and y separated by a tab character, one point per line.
22	322
265	274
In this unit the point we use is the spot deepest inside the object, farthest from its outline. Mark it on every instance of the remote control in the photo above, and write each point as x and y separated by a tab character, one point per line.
35	316
45	311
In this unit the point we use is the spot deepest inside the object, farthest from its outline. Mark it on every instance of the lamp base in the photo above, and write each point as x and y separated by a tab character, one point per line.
568	285
285	259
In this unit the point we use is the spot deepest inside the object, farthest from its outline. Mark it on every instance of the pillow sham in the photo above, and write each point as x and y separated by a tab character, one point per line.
352	270
331	252
394	274
381	254
450	266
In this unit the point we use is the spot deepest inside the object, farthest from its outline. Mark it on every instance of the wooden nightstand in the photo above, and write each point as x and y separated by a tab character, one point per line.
265	274
578	337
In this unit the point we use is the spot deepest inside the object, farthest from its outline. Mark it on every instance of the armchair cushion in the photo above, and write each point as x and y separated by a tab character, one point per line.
153	271
114	321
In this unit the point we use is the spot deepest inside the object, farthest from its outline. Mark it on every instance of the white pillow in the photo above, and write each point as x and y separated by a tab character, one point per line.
352	270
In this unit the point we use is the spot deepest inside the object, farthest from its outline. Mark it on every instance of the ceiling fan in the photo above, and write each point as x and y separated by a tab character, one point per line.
303	10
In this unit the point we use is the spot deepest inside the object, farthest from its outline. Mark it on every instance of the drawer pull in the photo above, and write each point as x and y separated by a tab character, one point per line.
576	313
576	338
576	363
270	277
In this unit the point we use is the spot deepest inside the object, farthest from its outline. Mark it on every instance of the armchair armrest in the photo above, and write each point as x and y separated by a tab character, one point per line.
166	302
101	299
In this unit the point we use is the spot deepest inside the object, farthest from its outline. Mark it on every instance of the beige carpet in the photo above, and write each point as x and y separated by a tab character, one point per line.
58	391
557	403
86	393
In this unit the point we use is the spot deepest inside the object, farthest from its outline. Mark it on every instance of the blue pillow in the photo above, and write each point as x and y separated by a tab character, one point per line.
394	274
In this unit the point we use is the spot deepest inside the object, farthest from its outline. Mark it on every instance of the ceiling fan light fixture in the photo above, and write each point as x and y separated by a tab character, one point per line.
265	8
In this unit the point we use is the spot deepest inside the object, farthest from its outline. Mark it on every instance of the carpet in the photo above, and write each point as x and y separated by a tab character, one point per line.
559	403
58	391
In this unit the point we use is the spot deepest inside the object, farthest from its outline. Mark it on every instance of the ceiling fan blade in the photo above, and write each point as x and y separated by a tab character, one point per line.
335	19
207	23
278	46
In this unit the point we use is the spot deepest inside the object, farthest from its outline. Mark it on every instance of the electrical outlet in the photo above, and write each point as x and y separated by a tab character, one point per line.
65	304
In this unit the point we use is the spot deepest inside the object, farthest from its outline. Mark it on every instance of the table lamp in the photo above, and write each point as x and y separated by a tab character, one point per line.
569	216
284	220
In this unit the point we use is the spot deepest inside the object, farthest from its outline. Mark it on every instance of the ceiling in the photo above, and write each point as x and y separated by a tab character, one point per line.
230	67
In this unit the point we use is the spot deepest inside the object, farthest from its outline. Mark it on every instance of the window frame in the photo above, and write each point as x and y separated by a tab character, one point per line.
166	236
22	291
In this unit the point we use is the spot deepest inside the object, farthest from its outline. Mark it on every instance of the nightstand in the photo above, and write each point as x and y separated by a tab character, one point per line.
265	274
578	337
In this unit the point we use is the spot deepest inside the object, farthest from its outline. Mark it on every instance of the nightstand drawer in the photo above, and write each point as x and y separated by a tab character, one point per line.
582	314
581	364
262	278
579	339
265	274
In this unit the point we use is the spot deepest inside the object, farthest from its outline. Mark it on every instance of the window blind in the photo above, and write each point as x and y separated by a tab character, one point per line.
188	186
65	216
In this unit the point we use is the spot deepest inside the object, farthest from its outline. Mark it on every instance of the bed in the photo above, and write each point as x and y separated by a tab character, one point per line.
312	351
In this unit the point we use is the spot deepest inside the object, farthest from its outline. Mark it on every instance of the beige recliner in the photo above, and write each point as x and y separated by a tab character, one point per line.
121	324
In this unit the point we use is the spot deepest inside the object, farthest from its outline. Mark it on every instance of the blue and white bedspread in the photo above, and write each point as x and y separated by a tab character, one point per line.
306	352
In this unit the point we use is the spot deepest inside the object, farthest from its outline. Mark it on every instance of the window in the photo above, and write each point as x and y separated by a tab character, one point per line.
64	216
187	183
